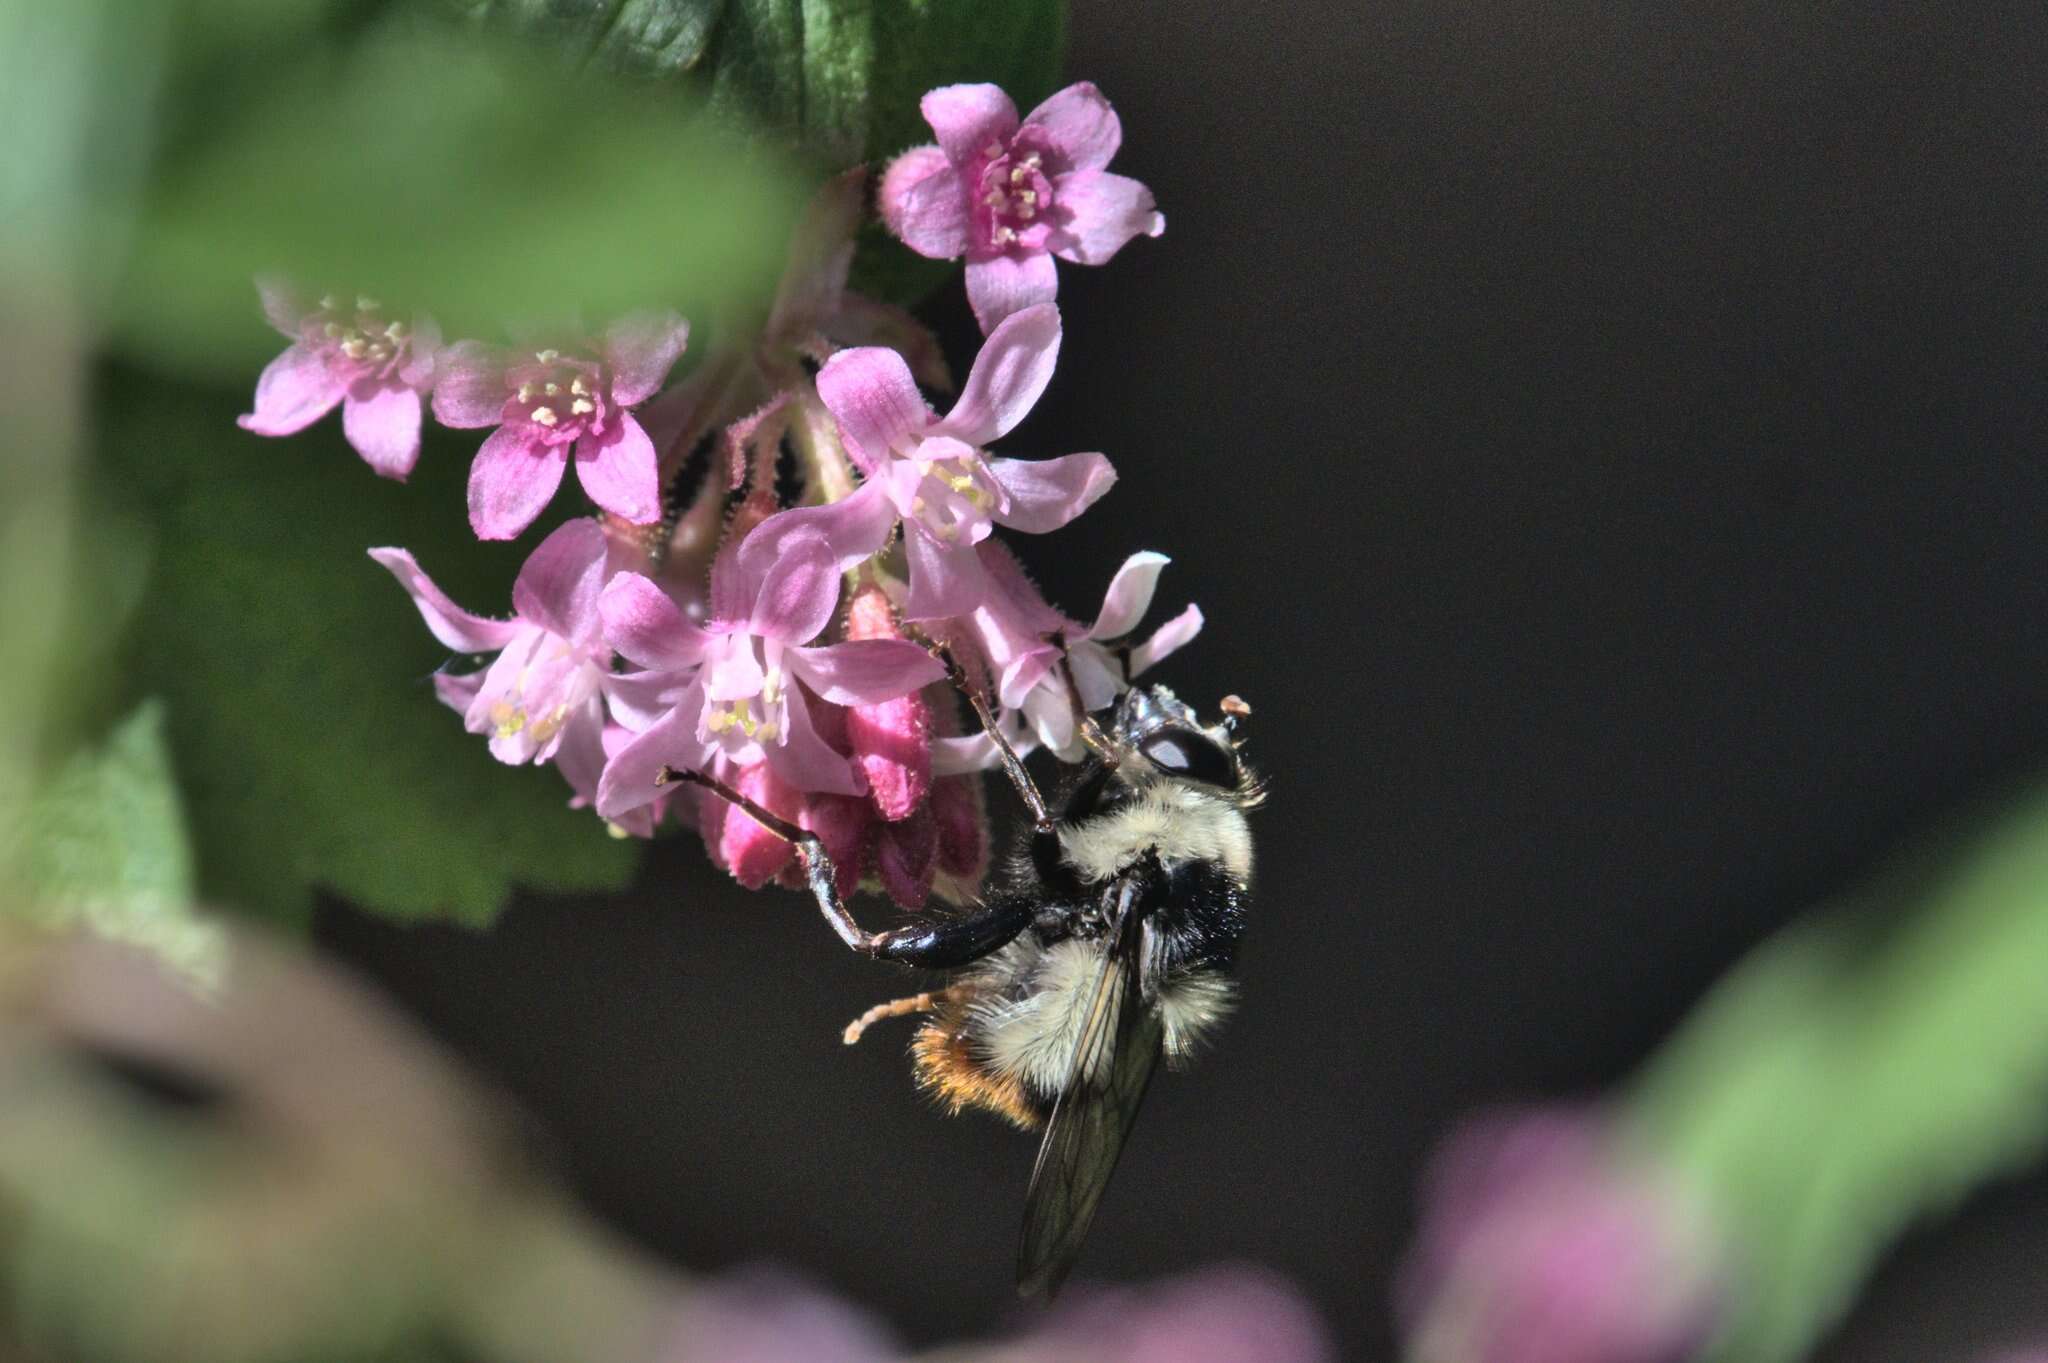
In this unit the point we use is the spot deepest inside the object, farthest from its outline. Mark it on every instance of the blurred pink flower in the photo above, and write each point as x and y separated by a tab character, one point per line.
932	472
374	368
1543	1241
548	403
1011	195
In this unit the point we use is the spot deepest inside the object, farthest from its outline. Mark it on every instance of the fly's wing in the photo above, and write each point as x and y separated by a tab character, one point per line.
1113	1061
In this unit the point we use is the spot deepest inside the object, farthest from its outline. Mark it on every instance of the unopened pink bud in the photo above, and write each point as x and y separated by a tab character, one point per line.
907	856
750	852
892	740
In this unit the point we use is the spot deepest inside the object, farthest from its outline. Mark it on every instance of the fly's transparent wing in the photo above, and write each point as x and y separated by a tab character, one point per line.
1113	1062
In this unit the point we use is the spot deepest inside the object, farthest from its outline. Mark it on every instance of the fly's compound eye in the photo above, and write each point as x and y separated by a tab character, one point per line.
1191	754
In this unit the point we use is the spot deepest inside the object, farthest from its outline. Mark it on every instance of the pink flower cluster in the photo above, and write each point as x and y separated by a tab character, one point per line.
720	615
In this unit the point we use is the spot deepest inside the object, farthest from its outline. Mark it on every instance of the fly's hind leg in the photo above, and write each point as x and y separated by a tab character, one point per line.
896	1008
1013	766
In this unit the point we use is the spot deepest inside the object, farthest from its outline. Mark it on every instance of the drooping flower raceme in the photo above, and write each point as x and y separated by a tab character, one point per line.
740	688
541	699
1011	195
352	355
549	404
931	472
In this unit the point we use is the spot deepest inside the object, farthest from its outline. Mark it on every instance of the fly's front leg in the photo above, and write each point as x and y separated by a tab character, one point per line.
1091	733
819	872
938	944
1013	766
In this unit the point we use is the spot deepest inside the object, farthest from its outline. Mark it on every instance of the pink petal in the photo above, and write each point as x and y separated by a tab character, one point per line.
450	623
733	671
382	421
295	390
1129	595
966	118
637	699
924	202
1002	285
864	671
628	780
805	761
639	351
422	355
621	472
513	477
876	401
559	587
852	529
1047	493
970	753
1080	125
862	321
579	754
945	579
470	388
1012	591
641	622
906	855
283	306
457	690
1010	372
1107	211
1166	639
799	592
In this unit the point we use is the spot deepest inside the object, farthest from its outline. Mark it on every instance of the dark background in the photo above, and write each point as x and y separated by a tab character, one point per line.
1607	443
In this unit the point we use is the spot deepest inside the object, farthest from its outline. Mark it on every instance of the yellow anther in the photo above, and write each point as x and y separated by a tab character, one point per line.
396	331
579	388
547	356
917	506
507	720
771	686
743	715
526	392
1028	197
545	416
718	721
333	331
366	304
553	390
328	302
1017	174
768	732
1032	160
992	150
582	407
994	198
353	347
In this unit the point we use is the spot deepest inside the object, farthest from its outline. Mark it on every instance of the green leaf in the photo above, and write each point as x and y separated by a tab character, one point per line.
481	181
104	846
1865	1070
297	675
840	78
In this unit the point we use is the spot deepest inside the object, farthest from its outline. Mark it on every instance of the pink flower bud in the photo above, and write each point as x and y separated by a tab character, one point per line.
891	740
907	856
750	852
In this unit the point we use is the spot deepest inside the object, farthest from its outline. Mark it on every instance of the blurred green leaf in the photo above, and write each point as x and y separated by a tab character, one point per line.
840	78
312	748
104	846
477	180
1866	1069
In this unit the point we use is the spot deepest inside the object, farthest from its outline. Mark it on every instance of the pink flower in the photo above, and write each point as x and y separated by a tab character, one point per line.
931	471
741	687
1542	1241
1013	631
542	698
547	401
1010	196
374	367
892	740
